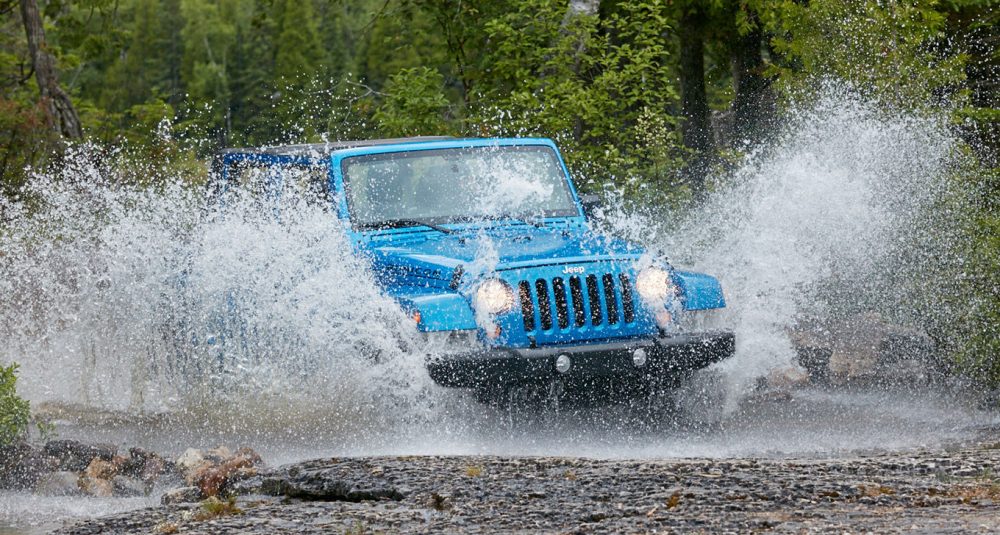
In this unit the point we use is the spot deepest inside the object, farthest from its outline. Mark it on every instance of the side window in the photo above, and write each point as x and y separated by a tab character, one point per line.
277	182
310	184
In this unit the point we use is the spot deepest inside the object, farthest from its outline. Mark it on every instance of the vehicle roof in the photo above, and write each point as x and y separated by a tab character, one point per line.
323	150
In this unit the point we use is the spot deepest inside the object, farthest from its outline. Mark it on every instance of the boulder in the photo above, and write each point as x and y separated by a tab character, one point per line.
59	483
21	465
152	470
212	479
138	458
98	469
218	454
75	456
190	462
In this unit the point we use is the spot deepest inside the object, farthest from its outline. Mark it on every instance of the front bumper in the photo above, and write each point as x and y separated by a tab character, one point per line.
667	359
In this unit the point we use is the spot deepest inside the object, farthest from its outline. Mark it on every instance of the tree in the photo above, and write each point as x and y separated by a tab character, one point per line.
414	105
209	35
697	127
299	53
61	112
599	82
753	101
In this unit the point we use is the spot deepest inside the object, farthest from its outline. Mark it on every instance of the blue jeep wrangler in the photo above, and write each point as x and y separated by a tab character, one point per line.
486	244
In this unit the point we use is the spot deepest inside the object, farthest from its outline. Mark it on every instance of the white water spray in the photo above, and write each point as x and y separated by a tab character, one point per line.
102	285
838	196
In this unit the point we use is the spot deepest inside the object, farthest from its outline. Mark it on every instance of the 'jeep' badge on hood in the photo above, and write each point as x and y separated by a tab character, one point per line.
569	269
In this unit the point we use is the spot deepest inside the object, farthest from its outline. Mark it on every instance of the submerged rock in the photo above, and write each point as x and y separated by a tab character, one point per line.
865	347
93	486
59	483
128	487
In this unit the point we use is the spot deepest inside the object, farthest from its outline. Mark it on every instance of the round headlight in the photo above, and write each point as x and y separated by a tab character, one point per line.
494	297
654	285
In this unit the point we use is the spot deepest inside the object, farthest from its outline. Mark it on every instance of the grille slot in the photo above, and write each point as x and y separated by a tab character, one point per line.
628	304
562	311
544	305
594	296
576	295
611	302
527	307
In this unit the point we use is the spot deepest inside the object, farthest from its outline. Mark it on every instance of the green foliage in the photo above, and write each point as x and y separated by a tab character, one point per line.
978	331
414	104
15	412
890	50
603	87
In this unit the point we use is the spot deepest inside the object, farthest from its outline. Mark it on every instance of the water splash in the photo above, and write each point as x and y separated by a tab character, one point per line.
143	300
821	221
119	297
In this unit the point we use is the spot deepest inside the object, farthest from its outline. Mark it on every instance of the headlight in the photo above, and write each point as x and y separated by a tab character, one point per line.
653	284
494	297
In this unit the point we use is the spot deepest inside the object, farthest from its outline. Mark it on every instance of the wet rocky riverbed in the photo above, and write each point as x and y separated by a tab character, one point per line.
933	490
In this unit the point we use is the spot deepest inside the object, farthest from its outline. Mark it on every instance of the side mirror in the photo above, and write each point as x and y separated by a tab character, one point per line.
591	202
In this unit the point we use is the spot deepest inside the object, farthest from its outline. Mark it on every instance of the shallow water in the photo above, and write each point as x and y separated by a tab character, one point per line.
799	423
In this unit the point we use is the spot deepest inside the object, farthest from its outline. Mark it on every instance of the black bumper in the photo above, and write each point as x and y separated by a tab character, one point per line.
667	359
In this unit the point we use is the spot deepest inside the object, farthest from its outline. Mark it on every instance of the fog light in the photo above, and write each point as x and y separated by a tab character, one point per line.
664	319
639	357
563	363
494	333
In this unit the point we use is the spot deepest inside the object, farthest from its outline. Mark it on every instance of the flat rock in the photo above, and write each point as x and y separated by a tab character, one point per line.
329	482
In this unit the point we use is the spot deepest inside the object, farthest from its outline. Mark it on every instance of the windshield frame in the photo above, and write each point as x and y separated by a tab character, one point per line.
340	162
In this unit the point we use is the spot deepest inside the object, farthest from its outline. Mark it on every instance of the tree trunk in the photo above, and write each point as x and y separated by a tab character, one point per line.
578	8
57	103
696	129
753	105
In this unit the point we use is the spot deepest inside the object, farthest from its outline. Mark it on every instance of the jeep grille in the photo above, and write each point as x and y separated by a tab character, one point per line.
595	299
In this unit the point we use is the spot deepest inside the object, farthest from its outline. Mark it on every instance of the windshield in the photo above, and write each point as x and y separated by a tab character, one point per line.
461	184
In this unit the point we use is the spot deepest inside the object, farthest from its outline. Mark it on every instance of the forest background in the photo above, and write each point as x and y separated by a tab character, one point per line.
650	97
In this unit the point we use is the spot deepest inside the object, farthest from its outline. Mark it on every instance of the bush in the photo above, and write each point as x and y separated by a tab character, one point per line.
15	412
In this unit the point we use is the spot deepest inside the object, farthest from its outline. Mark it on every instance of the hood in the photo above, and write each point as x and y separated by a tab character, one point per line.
437	256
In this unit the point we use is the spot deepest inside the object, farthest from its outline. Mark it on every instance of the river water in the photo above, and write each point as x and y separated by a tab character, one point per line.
110	296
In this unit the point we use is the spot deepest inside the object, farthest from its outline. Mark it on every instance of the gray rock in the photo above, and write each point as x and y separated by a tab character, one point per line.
75	456
21	466
181	495
329	490
59	483
330	482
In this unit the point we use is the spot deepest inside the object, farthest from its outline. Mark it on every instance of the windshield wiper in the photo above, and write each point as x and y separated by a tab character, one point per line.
402	223
533	222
